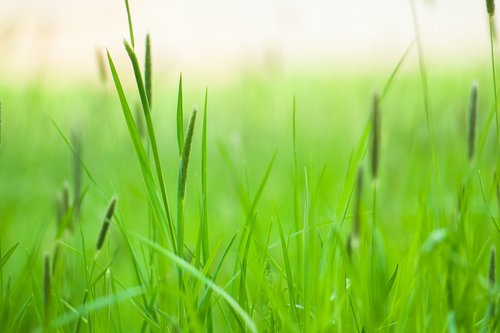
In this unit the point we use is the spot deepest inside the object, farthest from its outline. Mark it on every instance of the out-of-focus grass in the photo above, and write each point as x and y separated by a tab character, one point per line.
248	119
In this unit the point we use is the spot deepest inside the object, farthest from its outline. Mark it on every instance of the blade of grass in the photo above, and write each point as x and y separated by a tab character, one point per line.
152	137
161	215
147	72
99	304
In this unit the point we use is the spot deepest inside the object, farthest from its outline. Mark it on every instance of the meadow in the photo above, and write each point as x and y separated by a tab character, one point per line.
340	200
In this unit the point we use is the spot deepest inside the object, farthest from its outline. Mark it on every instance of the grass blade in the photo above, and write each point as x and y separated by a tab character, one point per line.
147	72
152	136
141	155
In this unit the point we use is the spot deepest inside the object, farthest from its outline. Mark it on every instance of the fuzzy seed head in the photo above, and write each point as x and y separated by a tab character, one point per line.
185	155
105	224
375	137
472	120
490	7
357	212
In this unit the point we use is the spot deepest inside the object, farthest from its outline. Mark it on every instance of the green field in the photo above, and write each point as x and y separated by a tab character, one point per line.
283	226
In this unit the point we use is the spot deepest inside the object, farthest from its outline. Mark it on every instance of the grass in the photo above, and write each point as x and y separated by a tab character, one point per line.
274	228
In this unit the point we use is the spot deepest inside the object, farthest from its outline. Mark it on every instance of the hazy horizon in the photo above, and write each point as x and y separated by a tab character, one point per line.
222	37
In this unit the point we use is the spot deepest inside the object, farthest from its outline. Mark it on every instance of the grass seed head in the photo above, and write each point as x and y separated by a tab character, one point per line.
490	7
375	137
472	120
185	154
105	224
353	239
101	66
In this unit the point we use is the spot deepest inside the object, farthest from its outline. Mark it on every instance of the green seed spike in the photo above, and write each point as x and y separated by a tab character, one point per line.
101	66
105	224
490	7
183	169
375	137
185	154
472	120
357	208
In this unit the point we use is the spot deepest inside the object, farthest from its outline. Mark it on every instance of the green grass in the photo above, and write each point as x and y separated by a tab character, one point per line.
289	217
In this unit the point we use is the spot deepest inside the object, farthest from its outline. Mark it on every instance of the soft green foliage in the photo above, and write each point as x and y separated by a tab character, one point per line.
283	240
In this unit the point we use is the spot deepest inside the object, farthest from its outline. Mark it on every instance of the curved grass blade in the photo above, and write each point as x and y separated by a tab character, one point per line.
152	136
99	304
161	215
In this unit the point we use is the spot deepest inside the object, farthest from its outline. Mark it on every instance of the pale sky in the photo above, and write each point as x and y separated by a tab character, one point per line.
223	35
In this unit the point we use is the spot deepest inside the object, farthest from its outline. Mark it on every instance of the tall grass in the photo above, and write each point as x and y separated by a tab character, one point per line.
285	242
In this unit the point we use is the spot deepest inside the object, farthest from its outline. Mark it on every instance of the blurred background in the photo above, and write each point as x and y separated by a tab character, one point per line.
223	37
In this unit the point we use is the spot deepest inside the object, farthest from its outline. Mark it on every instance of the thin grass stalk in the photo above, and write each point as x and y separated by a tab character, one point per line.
492	284
306	253
47	290
490	8
130	27
205	245
77	173
296	187
148	72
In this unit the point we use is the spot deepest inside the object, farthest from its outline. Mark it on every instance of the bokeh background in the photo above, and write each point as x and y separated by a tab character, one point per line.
223	37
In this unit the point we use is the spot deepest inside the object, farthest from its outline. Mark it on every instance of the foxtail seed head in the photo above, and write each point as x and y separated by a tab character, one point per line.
105	224
490	7
375	137
185	155
472	120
